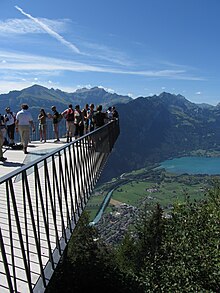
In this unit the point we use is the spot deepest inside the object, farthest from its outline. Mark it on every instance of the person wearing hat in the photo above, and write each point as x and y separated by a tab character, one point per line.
9	118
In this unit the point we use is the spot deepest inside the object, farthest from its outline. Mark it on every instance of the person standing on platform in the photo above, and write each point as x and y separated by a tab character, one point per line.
42	118
86	122
68	114
55	117
3	130
90	119
10	125
23	122
115	113
99	117
79	122
2	159
109	114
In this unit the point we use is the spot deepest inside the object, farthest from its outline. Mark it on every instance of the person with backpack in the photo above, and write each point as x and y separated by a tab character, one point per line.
9	118
68	114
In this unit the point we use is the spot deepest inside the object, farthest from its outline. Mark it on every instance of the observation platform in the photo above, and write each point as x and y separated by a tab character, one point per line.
17	158
43	194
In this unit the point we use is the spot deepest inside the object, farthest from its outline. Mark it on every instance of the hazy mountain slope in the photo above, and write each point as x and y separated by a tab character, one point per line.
159	127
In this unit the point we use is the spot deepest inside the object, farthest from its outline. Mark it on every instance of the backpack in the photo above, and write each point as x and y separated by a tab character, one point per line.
70	115
13	115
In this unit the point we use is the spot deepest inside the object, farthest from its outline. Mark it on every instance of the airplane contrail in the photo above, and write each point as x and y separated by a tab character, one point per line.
50	31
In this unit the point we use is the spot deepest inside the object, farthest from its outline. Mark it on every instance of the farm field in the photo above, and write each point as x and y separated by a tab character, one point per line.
152	187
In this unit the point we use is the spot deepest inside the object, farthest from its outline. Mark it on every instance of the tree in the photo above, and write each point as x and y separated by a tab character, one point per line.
178	254
89	265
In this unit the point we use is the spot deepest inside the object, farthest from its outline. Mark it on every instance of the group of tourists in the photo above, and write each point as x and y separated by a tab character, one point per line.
12	122
78	122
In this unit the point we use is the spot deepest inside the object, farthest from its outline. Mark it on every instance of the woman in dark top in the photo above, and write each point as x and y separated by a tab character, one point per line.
55	117
42	124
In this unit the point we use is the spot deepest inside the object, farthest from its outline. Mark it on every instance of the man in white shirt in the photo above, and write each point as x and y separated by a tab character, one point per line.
23	121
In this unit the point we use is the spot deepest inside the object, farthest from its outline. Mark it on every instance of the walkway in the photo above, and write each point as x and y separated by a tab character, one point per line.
16	158
32	213
42	196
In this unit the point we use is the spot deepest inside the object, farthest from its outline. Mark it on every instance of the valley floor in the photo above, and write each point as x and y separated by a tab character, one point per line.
144	187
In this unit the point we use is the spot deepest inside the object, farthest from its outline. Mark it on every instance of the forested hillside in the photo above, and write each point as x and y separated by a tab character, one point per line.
176	254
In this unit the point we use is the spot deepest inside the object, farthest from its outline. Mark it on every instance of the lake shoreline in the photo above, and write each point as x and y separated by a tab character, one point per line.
192	165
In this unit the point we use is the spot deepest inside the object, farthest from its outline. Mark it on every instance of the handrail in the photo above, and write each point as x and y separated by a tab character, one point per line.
41	203
112	131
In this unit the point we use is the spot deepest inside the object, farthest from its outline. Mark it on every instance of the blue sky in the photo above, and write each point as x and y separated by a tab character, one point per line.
136	48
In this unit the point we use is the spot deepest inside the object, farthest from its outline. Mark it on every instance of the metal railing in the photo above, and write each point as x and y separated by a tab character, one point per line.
40	205
49	131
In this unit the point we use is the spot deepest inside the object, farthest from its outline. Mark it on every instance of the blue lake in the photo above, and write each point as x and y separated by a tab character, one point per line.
192	165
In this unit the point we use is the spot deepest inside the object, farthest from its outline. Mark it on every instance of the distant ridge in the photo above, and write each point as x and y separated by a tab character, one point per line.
37	96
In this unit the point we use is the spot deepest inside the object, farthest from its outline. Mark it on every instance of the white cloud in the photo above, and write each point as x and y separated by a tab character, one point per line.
198	93
19	26
51	32
109	54
34	25
31	63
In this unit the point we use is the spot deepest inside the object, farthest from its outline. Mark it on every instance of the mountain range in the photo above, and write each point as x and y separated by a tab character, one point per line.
152	129
38	97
